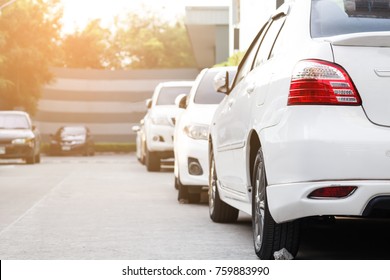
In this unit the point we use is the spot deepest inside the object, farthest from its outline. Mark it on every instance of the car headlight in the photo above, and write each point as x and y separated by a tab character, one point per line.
23	141
160	121
197	131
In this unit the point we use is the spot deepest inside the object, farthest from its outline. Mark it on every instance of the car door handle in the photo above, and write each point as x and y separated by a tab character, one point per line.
250	89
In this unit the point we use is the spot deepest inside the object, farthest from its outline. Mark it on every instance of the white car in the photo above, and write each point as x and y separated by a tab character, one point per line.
305	129
191	133
19	138
139	141
159	122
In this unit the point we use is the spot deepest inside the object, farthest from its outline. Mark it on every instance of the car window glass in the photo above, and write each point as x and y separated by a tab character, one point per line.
13	121
336	17
247	63
268	41
73	131
281	44
167	95
205	93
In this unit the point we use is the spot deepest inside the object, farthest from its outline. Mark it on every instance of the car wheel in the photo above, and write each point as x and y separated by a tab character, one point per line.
269	236
182	194
30	160
177	183
219	211
193	197
142	158
152	161
38	158
91	151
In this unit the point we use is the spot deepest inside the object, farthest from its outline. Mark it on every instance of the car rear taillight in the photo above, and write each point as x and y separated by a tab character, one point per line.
317	82
332	192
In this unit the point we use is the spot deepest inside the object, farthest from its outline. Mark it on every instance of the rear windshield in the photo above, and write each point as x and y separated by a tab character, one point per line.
205	94
69	130
13	121
337	17
167	95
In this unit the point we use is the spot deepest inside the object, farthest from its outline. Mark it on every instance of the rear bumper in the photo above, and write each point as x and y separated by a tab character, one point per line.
335	146
290	201
325	143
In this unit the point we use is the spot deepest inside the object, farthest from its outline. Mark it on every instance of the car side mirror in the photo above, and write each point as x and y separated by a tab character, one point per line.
221	82
136	128
148	103
181	101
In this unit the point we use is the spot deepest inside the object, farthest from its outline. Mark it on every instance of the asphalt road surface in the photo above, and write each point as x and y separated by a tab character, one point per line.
109	207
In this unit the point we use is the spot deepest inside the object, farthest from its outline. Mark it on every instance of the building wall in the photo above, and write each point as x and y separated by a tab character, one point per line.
108	102
208	31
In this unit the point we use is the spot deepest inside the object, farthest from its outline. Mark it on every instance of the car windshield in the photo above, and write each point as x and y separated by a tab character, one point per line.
67	131
206	94
167	95
337	17
13	121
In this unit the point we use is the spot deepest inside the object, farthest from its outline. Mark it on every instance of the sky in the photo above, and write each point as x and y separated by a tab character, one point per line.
78	12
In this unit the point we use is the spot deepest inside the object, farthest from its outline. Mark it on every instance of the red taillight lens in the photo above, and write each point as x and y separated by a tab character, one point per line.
332	192
317	82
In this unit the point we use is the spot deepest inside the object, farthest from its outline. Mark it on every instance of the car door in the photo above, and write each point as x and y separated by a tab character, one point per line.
236	117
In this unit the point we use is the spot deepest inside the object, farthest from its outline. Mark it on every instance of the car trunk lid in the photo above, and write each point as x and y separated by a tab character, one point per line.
365	57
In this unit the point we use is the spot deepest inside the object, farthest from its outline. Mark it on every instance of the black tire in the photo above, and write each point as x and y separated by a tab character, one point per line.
152	161
177	183
184	194
30	160
182	191
269	236
91	151
142	158
194	197
38	158
219	211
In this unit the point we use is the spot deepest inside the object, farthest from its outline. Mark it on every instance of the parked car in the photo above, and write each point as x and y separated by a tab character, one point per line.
304	129
19	139
140	141
159	122
72	140
191	134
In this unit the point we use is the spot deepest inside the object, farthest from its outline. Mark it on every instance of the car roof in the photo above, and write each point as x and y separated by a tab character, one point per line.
9	112
176	83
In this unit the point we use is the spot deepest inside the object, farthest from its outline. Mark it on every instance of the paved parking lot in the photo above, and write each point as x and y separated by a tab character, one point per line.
110	207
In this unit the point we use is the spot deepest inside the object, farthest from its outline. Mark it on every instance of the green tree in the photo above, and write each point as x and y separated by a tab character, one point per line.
147	42
87	48
233	60
136	42
28	45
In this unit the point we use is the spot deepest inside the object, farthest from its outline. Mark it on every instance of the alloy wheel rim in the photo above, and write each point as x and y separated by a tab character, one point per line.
259	207
213	187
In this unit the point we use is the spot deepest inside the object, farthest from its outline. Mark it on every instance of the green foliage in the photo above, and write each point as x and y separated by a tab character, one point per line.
102	147
28	46
30	43
136	42
151	43
233	60
86	48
